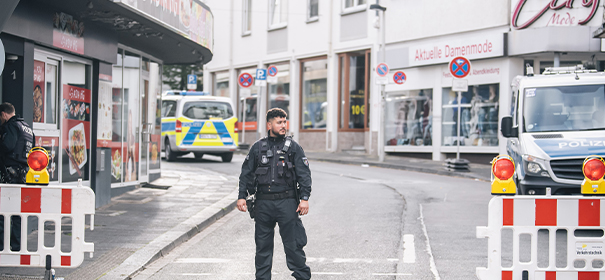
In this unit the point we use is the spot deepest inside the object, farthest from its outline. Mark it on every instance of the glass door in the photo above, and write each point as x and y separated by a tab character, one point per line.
145	124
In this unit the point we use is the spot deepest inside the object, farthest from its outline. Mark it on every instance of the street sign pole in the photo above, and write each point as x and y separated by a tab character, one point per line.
459	67
458	127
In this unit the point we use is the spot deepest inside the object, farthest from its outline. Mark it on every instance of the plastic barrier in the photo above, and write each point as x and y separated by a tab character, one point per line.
526	215
47	204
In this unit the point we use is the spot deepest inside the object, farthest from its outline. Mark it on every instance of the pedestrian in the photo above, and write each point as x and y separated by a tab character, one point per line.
16	140
271	172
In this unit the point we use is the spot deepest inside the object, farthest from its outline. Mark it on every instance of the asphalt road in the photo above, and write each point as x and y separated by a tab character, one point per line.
364	223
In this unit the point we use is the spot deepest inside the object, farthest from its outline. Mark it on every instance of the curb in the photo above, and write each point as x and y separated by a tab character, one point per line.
408	168
169	240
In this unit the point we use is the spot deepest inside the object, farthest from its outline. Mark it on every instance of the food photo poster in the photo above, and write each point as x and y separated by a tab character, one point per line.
75	110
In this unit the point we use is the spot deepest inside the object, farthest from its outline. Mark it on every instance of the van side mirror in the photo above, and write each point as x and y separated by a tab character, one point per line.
507	129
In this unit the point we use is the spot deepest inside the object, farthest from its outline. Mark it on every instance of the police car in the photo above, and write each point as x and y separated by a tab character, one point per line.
199	123
557	120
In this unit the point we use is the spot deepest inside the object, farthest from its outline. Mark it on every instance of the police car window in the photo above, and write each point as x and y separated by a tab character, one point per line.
205	110
564	108
168	108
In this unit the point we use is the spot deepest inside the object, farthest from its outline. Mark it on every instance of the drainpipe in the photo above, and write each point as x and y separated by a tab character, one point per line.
330	146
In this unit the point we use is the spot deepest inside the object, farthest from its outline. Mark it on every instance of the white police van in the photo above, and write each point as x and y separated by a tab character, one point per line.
557	120
199	123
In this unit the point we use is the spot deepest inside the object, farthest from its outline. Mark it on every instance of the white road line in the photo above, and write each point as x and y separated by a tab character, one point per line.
201	260
393	260
409	252
352	260
428	247
392	274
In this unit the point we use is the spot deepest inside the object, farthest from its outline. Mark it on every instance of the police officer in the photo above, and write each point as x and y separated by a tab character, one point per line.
17	139
273	168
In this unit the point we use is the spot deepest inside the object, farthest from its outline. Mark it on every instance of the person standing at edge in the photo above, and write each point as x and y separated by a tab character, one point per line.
17	139
273	168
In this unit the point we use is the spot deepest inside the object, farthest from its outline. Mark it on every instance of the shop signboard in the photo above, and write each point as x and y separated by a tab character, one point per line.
51	144
190	18
75	133
442	51
545	13
68	33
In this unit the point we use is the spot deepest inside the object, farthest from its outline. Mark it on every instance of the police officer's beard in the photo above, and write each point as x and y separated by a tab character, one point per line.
277	133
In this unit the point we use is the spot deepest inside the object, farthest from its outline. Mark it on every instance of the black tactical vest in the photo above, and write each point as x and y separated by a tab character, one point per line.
275	171
25	142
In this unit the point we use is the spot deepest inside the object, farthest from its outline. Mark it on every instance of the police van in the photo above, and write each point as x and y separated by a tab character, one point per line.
195	122
557	120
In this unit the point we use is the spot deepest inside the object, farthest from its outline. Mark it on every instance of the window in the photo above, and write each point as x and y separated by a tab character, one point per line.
246	17
353	87
46	77
168	108
564	108
278	13
409	118
207	110
279	92
313	10
353	3
314	88
221	84
479	118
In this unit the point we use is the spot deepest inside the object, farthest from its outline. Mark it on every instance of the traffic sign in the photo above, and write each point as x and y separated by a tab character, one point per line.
460	85
245	80
261	77
382	69
191	82
272	71
460	67
399	77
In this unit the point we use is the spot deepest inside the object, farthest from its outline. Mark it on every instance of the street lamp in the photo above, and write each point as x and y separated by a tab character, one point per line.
377	8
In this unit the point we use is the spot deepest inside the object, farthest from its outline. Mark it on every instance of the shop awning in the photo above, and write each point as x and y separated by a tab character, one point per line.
163	32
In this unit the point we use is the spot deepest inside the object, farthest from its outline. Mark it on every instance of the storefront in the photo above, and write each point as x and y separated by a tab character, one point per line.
96	79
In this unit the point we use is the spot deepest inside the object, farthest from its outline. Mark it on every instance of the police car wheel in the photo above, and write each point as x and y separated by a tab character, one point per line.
227	157
170	155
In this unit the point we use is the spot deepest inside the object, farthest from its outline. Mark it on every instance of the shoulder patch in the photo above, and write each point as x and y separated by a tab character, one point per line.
247	156
305	161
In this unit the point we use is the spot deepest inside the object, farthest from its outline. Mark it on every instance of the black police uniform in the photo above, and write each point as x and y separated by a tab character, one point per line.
17	140
272	170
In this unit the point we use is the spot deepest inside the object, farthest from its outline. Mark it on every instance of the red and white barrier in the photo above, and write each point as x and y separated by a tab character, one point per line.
528	214
48	204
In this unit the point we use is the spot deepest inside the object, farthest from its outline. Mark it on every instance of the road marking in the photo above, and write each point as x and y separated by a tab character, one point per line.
409	252
201	260
428	247
352	260
393	260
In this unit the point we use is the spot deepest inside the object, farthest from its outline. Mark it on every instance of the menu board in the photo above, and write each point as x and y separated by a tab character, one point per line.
51	144
75	132
38	91
104	115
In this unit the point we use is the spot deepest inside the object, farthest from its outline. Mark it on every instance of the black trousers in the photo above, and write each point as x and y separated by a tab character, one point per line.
292	232
15	233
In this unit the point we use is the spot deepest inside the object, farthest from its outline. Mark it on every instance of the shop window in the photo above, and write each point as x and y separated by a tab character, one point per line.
353	87
313	10
45	95
246	17
278	13
247	109
117	97
130	134
314	89
409	118
478	120
221	84
279	91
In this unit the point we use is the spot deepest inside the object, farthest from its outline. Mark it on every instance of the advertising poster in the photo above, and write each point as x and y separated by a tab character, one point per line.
75	132
116	164
104	115
39	91
51	144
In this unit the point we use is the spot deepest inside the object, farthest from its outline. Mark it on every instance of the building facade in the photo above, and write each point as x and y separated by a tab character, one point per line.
87	75
326	54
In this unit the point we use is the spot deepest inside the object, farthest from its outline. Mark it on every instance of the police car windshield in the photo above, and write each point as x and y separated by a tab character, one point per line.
564	108
206	110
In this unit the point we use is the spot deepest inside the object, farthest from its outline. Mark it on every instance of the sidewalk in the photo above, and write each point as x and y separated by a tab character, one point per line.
143	225
477	171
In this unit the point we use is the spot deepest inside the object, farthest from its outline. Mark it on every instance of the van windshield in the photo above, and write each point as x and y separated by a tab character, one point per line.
564	108
206	110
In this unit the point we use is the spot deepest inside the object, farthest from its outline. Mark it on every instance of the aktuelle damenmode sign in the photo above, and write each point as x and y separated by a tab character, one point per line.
471	47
